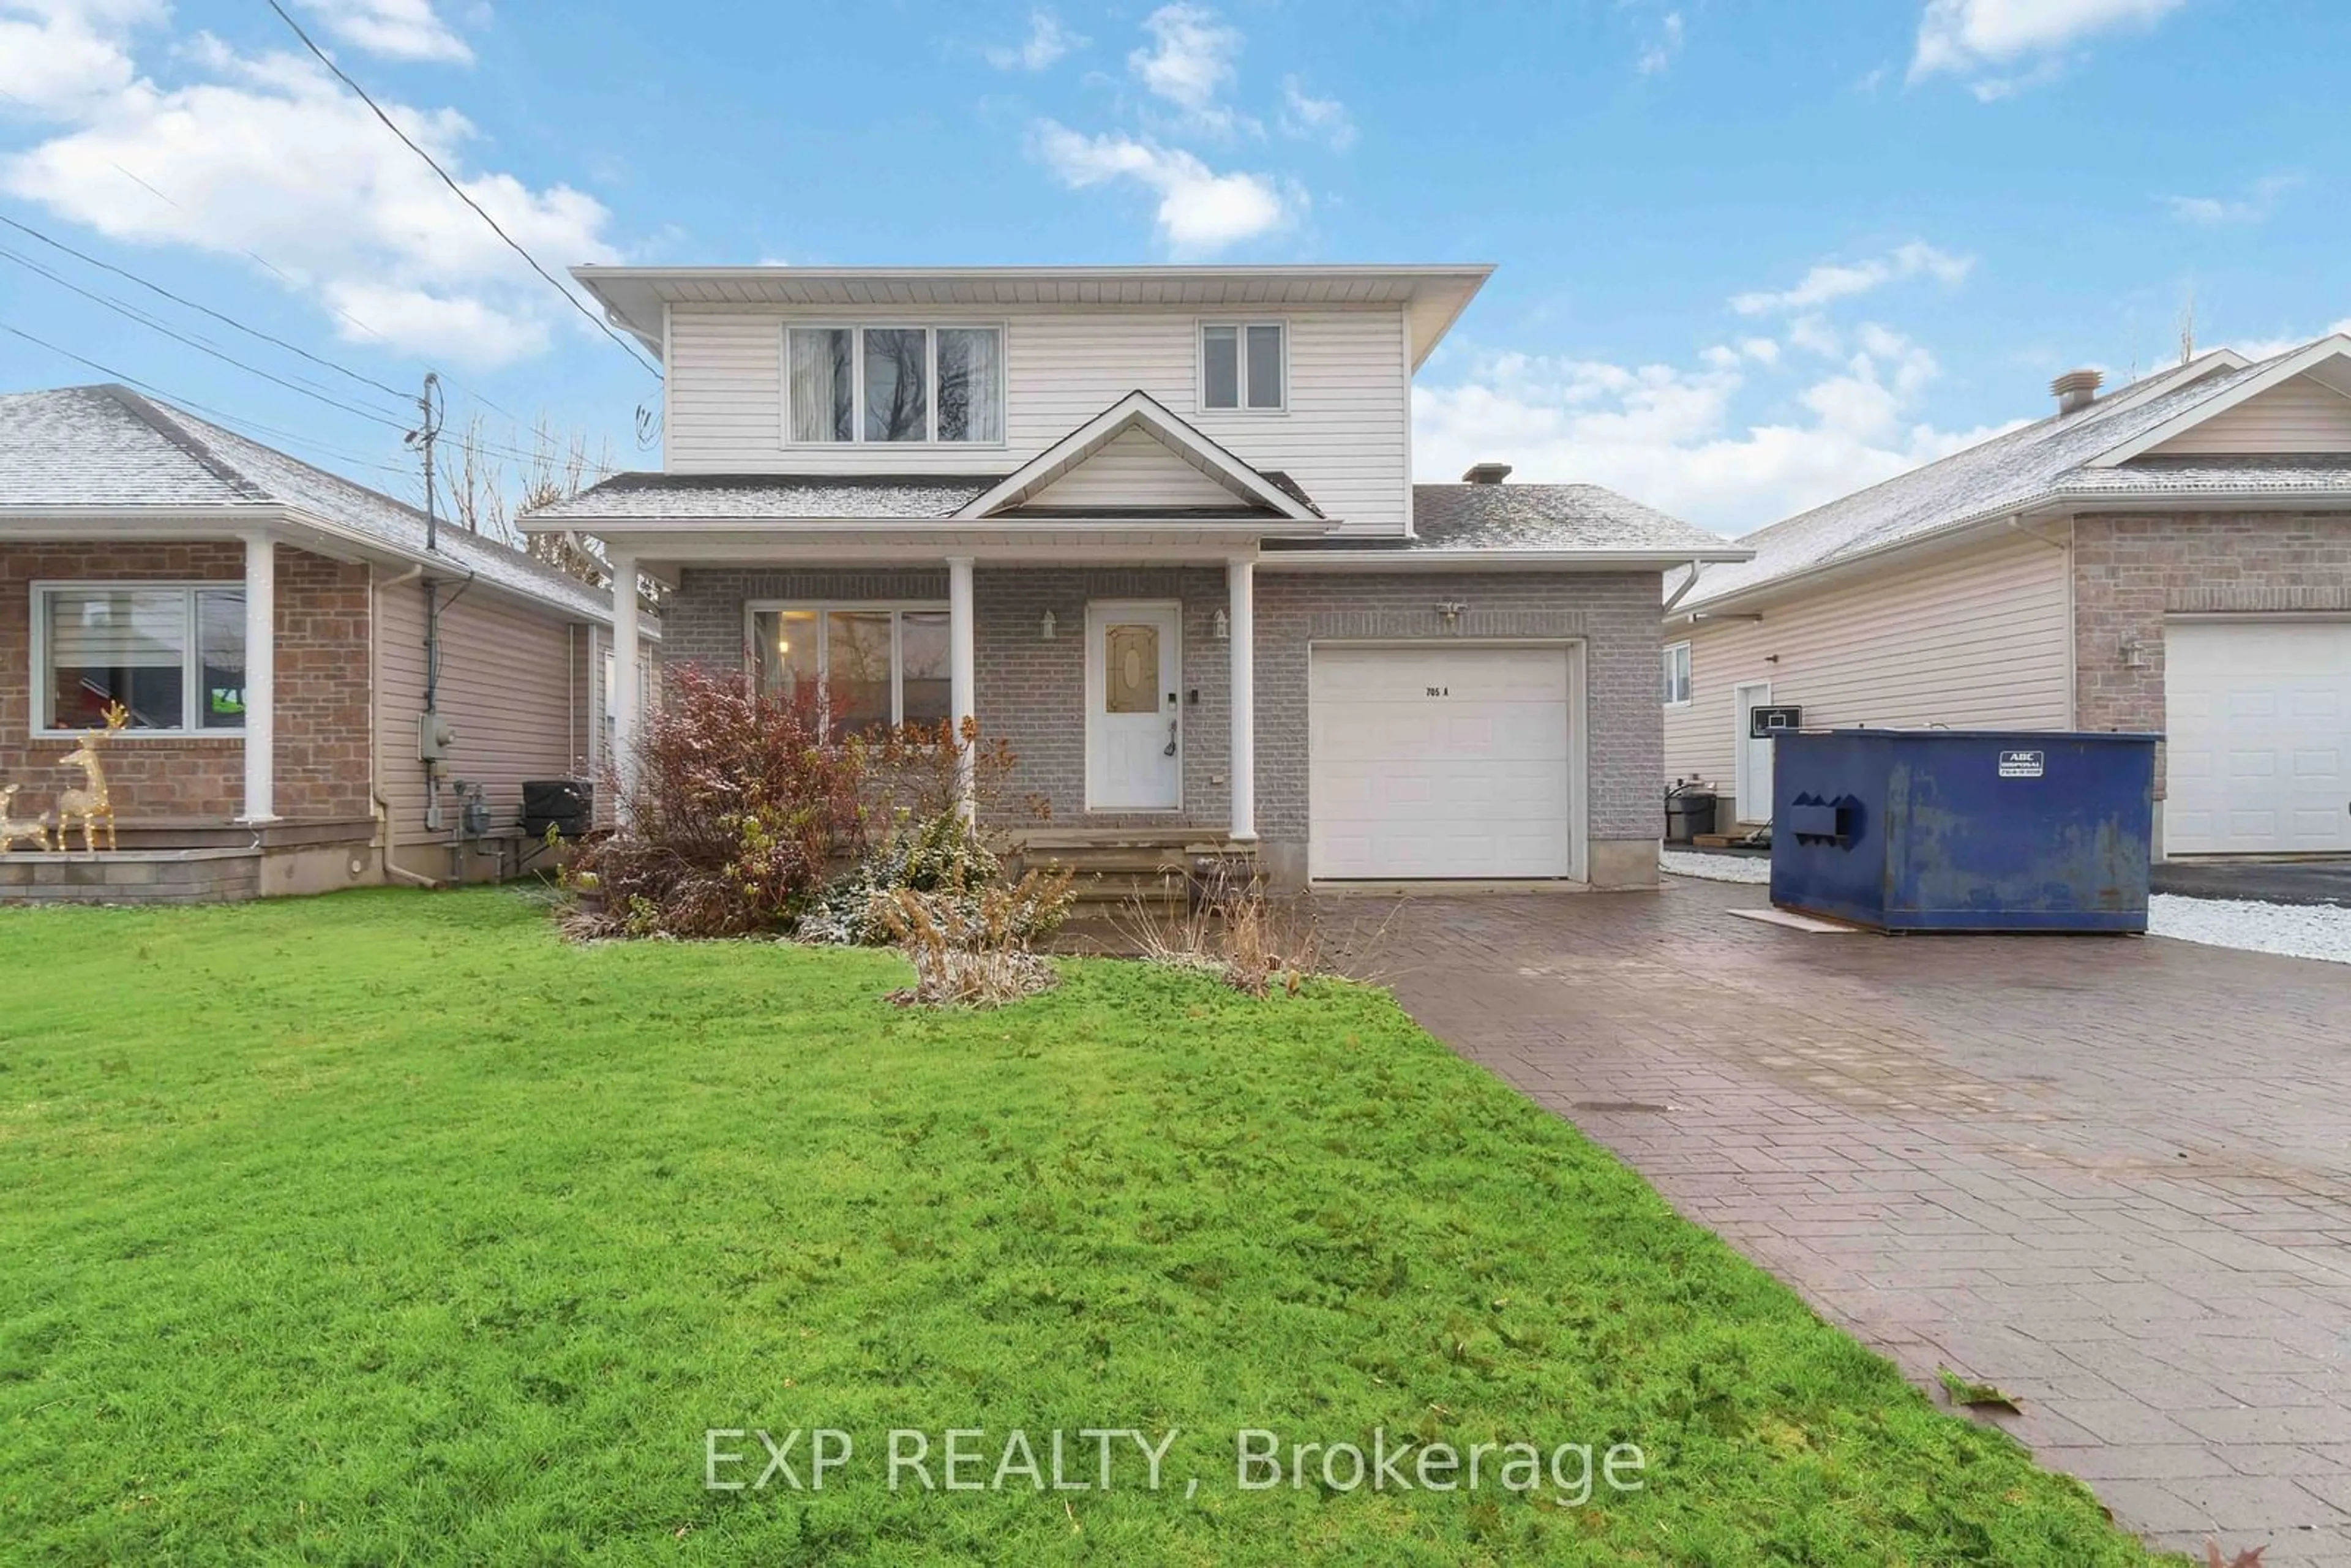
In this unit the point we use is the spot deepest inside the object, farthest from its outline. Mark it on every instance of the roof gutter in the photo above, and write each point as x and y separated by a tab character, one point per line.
1487	560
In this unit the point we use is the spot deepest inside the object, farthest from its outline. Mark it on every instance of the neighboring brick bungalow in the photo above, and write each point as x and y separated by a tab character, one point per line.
147	556
2173	556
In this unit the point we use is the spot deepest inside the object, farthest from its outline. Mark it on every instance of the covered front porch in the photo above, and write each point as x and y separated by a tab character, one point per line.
1124	684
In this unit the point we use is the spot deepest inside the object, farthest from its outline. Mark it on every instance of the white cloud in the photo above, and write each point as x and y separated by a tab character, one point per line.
272	156
1659	51
1200	211
1323	120
1047	42
2270	348
1190	64
1972	37
396	29
1838	280
1671	437
2256	202
59	55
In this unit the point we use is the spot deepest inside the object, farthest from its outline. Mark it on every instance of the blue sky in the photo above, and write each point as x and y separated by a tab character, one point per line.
1750	255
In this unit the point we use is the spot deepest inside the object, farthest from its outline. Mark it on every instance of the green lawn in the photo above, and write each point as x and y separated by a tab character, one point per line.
388	1229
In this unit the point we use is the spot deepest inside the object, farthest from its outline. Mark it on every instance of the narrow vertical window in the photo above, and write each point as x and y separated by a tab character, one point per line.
1221	367
897	383
1678	674
971	383
1265	367
823	384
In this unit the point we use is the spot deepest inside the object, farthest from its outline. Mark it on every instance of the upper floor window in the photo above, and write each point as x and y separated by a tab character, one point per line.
893	384
172	654
1678	674
1243	365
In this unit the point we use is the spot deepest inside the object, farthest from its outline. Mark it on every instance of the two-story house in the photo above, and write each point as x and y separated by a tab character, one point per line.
1154	525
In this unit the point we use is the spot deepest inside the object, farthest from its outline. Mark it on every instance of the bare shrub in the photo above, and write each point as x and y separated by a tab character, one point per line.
970	944
1230	928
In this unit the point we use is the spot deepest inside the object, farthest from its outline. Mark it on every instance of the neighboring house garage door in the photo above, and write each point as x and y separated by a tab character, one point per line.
2258	716
1438	761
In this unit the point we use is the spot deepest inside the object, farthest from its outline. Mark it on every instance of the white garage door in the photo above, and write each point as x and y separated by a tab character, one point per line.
2259	720
1438	761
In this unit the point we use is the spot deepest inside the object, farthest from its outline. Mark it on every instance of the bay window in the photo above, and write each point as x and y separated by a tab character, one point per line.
872	666
891	384
171	654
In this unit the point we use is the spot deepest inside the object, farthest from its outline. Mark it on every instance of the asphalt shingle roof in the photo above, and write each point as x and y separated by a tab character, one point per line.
106	448
2027	466
1500	518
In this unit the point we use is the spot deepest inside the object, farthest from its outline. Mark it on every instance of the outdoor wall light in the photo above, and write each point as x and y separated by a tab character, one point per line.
1221	626
1045	627
1450	613
2134	654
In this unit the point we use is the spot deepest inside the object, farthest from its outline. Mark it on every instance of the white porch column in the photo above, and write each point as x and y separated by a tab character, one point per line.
963	658
260	679
1240	578
628	690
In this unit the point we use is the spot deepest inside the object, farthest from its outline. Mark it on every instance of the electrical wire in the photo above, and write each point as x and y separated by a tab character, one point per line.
571	299
182	299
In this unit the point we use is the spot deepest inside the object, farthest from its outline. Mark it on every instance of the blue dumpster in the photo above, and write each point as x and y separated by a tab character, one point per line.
1955	830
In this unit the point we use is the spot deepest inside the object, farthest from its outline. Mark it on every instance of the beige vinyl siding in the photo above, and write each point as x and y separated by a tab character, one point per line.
507	687
1344	436
1135	469
2301	415
1973	640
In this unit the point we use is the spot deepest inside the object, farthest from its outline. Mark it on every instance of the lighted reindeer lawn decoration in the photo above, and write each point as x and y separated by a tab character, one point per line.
91	805
13	828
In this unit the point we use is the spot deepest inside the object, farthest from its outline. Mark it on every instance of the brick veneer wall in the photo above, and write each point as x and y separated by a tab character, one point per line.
2130	572
1032	692
323	765
1615	614
322	688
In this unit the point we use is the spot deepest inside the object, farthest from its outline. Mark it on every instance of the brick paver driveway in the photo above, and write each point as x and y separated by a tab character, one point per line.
2112	1177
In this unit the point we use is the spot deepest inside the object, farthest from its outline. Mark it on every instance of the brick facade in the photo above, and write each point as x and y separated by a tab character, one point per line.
2130	572
1032	692
322	689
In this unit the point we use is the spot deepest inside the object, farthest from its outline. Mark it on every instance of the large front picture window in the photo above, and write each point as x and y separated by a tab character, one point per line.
872	666
889	384
171	654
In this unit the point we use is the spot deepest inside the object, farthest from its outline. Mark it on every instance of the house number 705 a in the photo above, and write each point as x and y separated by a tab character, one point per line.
1440	691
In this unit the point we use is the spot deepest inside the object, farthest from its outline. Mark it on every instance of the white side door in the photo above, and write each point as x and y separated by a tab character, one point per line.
2258	723
1134	741
1753	784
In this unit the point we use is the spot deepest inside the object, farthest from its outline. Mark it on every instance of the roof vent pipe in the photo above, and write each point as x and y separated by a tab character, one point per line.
2076	389
1486	474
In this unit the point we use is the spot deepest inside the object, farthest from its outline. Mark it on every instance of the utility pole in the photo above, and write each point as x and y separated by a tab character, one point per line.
428	430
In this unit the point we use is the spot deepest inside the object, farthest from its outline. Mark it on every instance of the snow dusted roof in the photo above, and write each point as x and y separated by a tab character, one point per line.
2052	461
106	451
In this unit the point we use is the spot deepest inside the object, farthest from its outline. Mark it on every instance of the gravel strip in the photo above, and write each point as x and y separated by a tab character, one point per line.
2297	930
2292	930
1714	868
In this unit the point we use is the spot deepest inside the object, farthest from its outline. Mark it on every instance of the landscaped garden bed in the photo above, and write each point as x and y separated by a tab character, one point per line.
394	1228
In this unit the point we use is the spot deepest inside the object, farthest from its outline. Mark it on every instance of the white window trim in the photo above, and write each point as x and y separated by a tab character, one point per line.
822	610
1240	325
191	669
930	330
1689	673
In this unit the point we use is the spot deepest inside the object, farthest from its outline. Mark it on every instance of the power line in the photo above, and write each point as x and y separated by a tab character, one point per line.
224	417
298	384
55	244
573	299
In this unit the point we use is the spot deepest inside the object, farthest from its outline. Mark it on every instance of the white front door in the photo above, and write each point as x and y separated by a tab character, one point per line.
1440	759
2258	721
1754	766
1134	738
